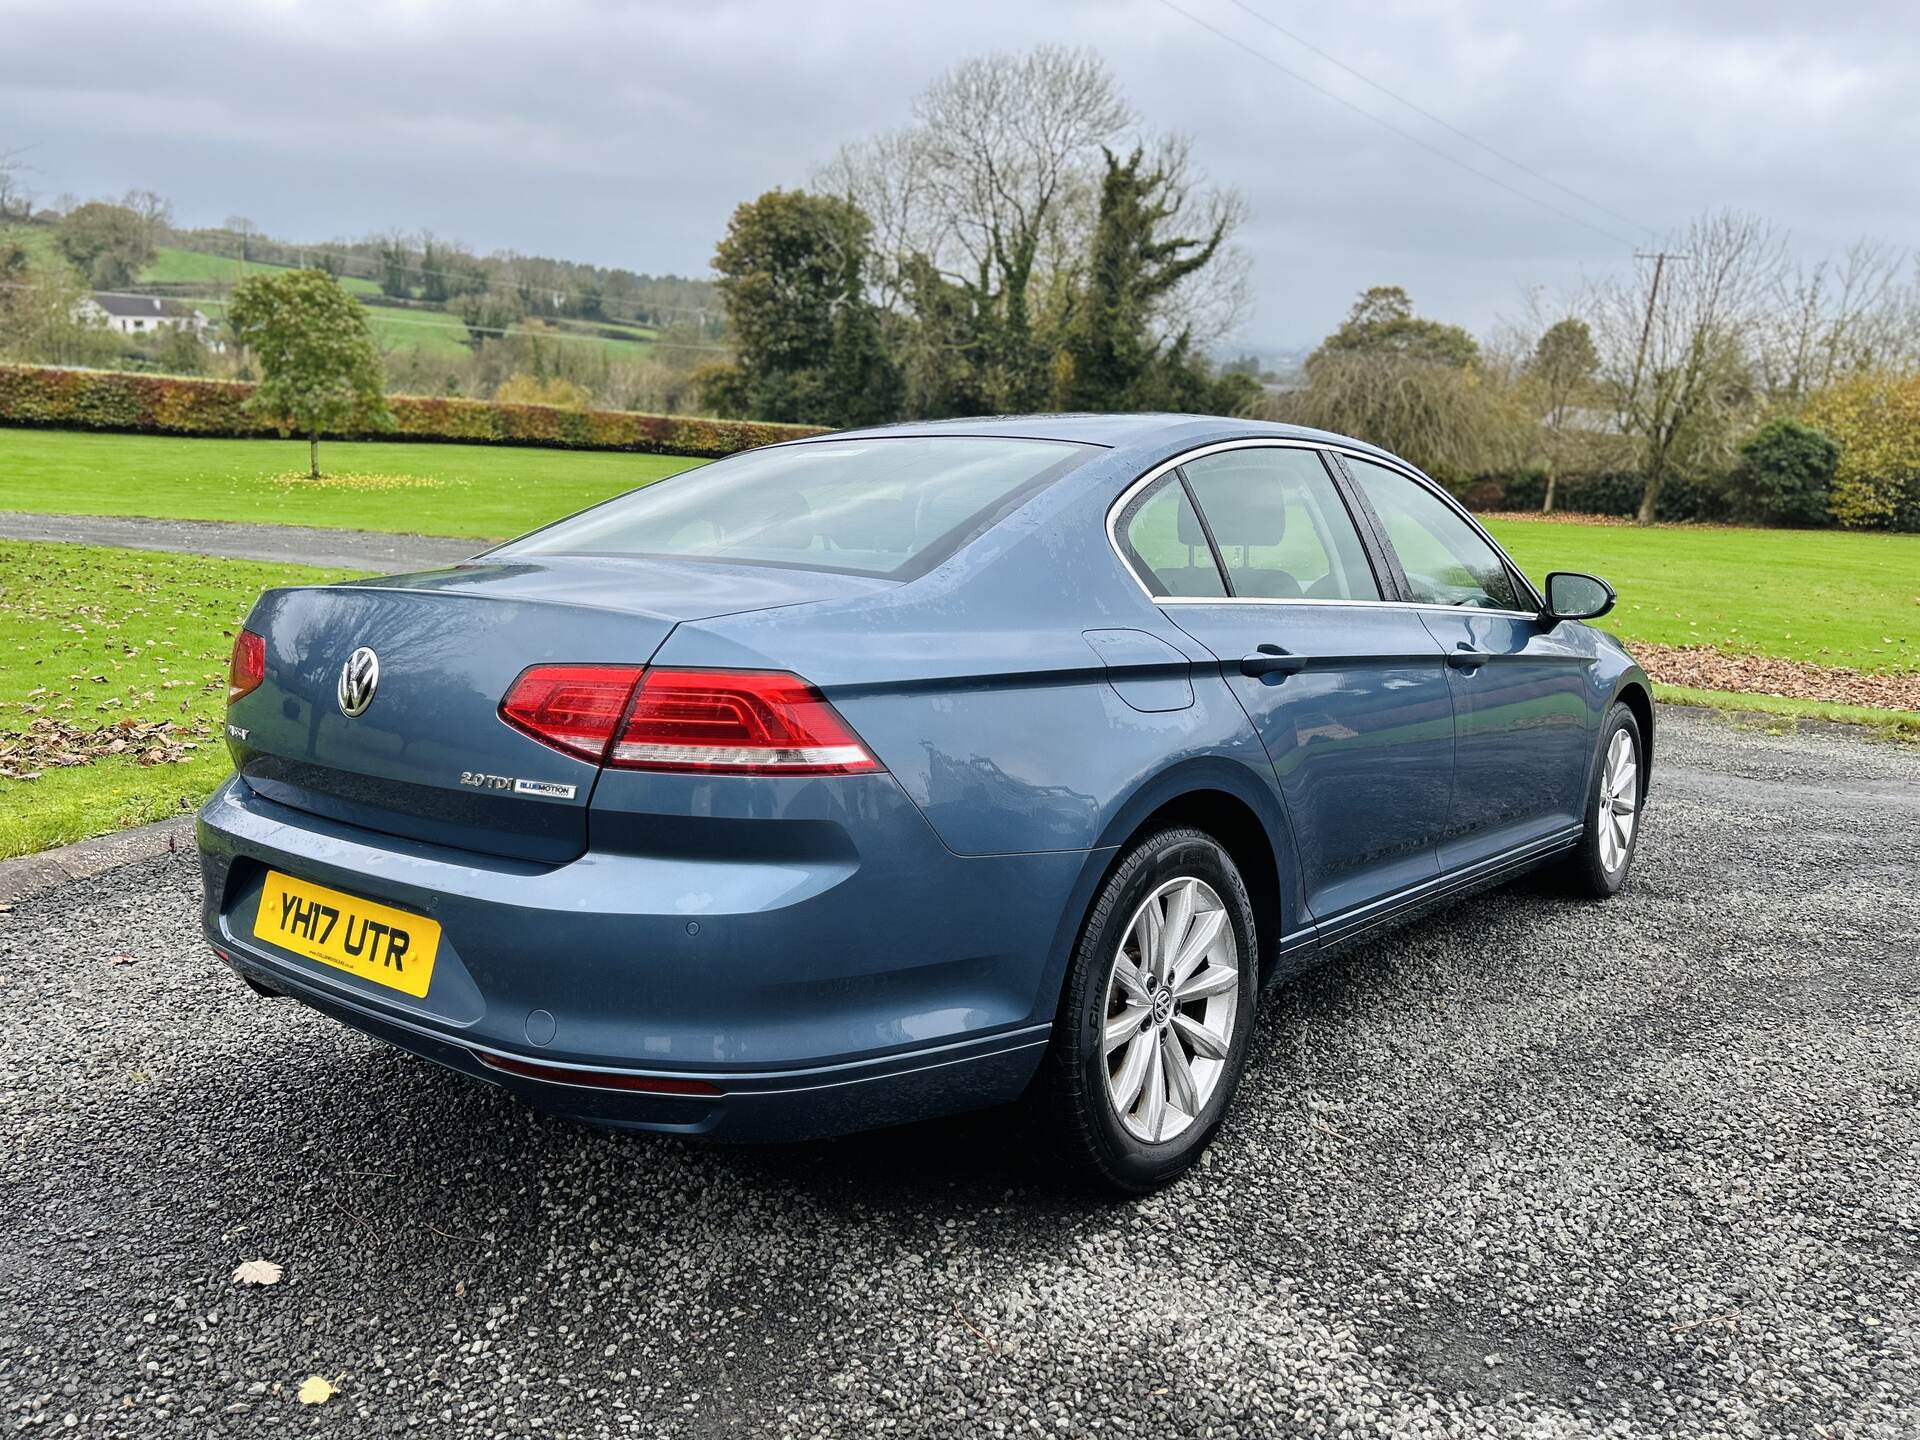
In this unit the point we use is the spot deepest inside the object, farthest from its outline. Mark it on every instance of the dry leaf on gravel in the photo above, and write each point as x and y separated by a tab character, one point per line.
257	1272
1704	668
315	1390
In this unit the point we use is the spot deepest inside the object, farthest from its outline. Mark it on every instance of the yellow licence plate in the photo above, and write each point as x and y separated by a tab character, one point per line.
390	947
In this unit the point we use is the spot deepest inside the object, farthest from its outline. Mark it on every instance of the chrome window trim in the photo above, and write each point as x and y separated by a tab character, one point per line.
1287	442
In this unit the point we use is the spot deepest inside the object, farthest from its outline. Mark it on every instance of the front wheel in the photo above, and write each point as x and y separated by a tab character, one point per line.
1598	865
1157	1015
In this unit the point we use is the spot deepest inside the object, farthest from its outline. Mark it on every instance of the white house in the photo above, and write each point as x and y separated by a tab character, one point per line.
142	314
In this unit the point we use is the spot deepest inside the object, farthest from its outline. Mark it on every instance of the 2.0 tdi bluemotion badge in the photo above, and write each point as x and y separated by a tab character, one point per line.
891	773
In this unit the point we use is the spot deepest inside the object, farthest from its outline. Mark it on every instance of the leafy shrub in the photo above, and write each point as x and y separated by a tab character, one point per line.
1876	420
113	400
1784	473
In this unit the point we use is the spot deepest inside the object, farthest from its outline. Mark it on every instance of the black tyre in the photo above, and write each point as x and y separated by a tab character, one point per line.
1598	866
1154	1025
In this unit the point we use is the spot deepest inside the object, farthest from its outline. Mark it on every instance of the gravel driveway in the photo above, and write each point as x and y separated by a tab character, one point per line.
1536	1168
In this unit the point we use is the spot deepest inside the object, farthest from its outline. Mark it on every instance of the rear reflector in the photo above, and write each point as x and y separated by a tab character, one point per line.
736	722
575	708
596	1079
248	667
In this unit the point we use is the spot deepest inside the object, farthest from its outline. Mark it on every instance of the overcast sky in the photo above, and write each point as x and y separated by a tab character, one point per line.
624	133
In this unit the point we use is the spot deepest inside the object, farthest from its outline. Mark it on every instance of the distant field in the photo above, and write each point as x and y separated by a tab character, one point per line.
173	266
91	638
483	491
1826	596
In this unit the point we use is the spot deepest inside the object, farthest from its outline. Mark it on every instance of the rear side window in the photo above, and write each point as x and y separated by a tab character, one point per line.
1164	537
895	506
1446	560
1283	531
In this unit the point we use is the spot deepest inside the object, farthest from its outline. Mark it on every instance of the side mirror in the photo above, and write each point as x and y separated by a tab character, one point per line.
1572	595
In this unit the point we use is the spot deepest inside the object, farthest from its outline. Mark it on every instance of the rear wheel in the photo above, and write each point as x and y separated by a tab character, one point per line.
1154	1026
1598	865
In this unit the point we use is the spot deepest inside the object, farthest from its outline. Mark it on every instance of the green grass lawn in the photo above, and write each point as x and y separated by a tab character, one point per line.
483	491
1826	596
91	636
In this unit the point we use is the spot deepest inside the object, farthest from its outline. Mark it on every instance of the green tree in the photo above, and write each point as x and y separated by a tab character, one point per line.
319	368
1135	263
396	267
1382	323
807	343
1561	369
488	315
109	243
1414	386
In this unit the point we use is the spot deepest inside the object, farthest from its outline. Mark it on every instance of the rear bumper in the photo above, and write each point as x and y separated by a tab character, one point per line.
874	982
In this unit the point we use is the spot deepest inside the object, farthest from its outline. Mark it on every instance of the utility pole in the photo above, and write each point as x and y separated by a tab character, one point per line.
1659	258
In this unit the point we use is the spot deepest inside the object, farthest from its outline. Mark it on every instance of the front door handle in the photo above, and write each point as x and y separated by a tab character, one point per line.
1271	660
1467	659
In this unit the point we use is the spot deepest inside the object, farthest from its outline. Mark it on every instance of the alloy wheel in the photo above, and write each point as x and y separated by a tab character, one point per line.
1172	997
1619	800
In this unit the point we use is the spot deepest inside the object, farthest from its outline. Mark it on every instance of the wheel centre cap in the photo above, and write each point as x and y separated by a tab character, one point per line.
1162	1007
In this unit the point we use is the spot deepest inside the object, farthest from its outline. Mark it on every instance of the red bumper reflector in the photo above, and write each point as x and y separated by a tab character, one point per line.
597	1079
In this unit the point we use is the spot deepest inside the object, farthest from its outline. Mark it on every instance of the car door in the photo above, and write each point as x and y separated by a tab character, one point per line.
1258	557
1522	702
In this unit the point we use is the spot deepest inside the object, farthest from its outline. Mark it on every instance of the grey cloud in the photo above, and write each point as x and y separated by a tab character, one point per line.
625	133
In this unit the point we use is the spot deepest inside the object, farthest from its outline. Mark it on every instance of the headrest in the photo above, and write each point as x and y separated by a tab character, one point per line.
883	525
1246	505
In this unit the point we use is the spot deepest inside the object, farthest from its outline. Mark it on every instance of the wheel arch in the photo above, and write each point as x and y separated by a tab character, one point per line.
1637	696
1221	798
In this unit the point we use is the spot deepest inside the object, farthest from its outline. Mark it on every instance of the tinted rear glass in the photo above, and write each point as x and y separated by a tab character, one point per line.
893	507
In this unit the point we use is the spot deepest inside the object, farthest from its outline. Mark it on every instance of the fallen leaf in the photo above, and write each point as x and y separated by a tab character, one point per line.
315	1390
257	1272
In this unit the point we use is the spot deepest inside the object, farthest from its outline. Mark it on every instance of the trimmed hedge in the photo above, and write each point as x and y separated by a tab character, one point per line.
1604	493
169	405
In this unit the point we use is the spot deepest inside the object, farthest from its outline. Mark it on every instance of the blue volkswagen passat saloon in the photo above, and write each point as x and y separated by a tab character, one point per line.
893	773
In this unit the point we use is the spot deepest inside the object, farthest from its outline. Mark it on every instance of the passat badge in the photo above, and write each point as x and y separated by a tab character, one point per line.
359	678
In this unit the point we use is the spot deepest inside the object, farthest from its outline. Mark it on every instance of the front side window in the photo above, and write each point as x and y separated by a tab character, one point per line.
893	506
1283	531
1162	533
1446	560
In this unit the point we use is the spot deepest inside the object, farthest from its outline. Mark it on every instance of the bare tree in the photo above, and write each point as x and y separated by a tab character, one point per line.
1007	139
155	212
889	178
994	190
1677	342
1836	318
15	202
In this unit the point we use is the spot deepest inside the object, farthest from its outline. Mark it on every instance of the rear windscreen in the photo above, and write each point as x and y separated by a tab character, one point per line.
894	507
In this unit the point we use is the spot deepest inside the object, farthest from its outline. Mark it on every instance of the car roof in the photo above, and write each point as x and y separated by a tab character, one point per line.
1112	431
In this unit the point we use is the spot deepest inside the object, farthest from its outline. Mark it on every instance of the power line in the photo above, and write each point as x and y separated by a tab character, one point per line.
1388	125
1498	154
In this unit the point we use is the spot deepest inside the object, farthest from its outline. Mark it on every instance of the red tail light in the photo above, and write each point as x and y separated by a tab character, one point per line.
575	708
248	667
736	722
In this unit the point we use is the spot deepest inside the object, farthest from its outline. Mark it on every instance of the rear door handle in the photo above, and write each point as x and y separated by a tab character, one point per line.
1271	660
1467	659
